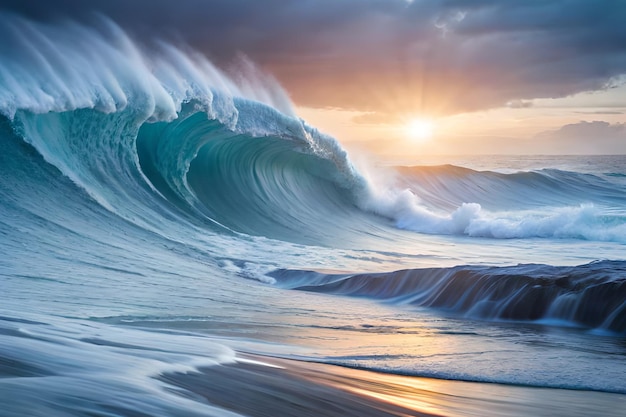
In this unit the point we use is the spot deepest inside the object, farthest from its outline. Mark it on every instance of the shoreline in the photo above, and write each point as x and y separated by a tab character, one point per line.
259	386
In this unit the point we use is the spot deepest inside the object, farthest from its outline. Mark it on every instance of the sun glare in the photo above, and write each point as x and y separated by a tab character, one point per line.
419	129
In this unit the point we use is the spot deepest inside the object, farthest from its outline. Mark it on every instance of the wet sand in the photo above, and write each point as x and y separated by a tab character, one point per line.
260	386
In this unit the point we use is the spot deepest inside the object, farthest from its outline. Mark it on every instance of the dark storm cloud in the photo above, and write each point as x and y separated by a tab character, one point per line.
389	56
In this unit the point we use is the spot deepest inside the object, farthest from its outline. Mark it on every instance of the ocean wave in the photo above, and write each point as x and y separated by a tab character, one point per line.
166	134
448	186
166	138
592	295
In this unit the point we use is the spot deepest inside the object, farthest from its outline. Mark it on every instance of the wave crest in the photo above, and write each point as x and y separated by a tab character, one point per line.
47	69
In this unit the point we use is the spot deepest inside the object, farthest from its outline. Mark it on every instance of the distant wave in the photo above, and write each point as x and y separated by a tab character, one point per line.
592	295
448	186
548	203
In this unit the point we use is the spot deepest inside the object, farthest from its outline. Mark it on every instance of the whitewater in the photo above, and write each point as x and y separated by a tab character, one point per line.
160	215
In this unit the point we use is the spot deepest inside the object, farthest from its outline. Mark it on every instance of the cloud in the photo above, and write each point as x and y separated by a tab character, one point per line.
600	112
596	137
389	56
519	104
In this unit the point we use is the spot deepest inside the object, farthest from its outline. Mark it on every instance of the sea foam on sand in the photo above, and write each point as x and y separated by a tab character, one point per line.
281	387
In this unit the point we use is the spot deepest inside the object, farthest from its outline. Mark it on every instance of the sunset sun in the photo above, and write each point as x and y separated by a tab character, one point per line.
419	129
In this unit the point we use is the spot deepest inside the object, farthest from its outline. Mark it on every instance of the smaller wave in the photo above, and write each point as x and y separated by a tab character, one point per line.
453	200
585	222
592	295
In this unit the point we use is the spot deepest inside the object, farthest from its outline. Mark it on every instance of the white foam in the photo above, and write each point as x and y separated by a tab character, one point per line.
407	211
250	270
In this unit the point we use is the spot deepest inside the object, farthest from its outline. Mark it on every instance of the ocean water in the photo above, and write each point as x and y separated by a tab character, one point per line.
157	215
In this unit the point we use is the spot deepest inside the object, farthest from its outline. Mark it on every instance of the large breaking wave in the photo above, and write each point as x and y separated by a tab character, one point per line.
146	133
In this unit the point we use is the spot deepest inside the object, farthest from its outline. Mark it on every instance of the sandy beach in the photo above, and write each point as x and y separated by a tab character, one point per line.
263	386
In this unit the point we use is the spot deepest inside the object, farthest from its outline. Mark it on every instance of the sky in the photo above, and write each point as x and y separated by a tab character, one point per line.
398	77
